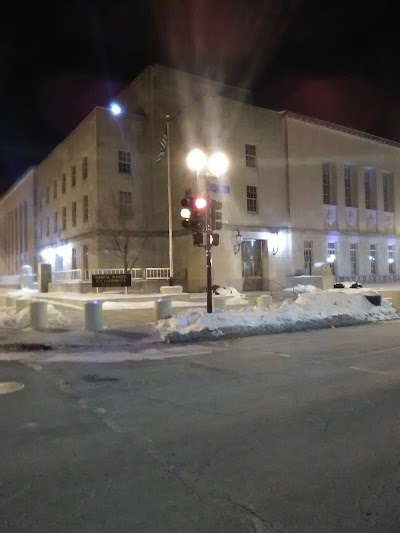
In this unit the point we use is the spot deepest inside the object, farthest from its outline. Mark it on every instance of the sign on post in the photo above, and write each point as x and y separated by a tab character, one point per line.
111	280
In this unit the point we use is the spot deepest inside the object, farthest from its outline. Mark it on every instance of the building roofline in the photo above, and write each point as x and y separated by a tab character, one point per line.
197	76
18	183
337	127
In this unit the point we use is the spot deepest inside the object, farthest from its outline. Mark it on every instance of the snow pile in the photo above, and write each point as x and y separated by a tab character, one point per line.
311	310
226	291
233	296
299	289
9	318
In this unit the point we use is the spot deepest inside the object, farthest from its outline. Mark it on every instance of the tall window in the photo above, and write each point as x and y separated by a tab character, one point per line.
63	184
332	257
73	176
326	186
84	168
47	226
64	218
125	204
372	258
73	212
55	222
40	201
251	193
388	192
370	188
353	258
55	190
308	257
391	259
73	259
250	154
124	162
85	208
85	257
350	186
47	195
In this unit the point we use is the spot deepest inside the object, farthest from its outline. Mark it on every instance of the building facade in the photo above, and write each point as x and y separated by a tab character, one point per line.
298	192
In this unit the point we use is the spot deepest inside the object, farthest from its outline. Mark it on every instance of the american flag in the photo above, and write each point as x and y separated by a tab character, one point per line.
163	146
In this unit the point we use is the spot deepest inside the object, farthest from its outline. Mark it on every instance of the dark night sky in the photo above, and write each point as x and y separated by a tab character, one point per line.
334	60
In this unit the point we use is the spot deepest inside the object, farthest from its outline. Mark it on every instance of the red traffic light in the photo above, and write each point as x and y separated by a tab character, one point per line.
200	203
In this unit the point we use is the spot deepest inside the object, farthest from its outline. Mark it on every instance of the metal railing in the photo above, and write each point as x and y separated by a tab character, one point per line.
10	280
157	273
370	278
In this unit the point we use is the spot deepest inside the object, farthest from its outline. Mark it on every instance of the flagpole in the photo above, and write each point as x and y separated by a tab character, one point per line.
171	256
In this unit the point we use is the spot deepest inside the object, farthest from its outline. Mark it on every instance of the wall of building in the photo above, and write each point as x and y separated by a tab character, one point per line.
17	245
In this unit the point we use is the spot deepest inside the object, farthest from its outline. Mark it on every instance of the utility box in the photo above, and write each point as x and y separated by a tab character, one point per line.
44	277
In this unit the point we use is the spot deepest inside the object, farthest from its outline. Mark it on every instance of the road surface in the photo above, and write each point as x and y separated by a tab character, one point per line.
292	432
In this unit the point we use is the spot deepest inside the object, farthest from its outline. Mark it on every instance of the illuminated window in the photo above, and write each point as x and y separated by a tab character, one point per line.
372	258
308	257
353	259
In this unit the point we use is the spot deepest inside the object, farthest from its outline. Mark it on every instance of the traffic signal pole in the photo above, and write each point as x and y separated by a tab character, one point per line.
208	252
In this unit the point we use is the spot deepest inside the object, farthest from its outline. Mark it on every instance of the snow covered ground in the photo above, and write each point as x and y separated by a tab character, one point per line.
312	309
9	318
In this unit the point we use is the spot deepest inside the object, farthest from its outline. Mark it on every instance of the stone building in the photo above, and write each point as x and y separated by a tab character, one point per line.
298	191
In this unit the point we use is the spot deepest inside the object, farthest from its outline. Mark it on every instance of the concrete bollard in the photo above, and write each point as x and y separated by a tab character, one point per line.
38	312
22	303
10	301
219	302
265	300
162	309
93	316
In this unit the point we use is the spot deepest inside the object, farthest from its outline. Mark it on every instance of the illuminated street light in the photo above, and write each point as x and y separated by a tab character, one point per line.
218	163
115	108
196	160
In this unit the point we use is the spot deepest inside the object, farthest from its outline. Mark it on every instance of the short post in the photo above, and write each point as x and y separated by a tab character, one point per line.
38	315
93	316
162	309
219	302
22	303
264	300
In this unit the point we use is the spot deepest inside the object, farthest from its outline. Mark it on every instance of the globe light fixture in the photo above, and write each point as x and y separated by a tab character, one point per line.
115	108
196	160
218	163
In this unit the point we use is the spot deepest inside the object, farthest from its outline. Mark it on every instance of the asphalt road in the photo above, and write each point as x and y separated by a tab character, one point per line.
293	432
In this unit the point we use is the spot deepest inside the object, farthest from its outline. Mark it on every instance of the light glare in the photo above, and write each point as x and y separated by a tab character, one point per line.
115	108
185	212
218	163
200	203
196	160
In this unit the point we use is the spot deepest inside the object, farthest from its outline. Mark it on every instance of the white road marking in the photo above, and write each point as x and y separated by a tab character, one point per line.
8	387
370	370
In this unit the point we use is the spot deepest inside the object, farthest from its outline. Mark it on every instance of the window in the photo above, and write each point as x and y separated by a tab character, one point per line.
55	190
370	189
84	168
85	257
124	162
353	259
74	214
64	218
388	192
308	257
350	186
326	189
73	259
47	226
55	222
85	208
125	204
332	257
63	184
251	193
391	259
47	195
250	153
372	258
73	176
40	201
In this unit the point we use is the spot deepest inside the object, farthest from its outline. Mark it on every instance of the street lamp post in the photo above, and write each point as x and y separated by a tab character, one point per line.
214	165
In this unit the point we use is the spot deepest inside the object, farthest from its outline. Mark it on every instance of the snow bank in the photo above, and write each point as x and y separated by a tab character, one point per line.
311	310
299	289
9	318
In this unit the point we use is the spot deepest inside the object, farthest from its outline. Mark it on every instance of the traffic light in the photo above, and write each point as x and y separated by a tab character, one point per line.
216	215
194	213
214	239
